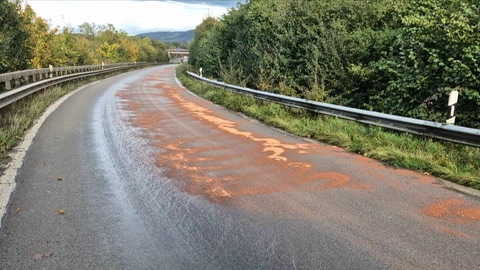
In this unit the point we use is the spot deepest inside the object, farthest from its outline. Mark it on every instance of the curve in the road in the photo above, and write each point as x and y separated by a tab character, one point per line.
154	177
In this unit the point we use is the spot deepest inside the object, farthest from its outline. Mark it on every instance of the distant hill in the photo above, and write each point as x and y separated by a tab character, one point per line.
169	37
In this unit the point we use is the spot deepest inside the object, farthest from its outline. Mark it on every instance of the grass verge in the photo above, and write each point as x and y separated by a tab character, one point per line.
454	162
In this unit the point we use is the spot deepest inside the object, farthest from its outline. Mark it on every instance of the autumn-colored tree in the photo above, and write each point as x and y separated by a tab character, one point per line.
39	39
86	55
64	49
128	50
28	41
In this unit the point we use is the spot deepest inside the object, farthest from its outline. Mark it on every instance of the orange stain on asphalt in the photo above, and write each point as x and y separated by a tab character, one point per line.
453	210
452	213
270	145
326	180
262	165
208	170
453	232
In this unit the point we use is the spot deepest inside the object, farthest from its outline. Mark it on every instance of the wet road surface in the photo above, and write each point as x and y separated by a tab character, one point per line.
135	172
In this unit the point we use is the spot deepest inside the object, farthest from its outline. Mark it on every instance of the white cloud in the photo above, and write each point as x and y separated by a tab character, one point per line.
132	16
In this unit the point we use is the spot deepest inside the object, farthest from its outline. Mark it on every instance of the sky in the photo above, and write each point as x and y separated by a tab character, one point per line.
132	16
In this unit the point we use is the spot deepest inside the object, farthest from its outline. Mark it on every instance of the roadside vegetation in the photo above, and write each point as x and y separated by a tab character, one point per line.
400	57
457	163
28	41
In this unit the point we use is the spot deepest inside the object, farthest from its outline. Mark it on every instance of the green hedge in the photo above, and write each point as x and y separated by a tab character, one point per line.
399	57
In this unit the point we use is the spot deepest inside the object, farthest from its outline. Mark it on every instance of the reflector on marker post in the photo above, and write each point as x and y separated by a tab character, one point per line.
452	100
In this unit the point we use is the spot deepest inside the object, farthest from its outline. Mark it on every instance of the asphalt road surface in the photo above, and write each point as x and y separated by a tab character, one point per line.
135	172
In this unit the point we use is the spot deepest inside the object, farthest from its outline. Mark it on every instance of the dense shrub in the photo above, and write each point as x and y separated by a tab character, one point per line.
400	57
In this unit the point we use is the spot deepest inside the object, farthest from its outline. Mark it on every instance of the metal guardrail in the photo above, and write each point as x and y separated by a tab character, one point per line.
446	132
9	97
18	78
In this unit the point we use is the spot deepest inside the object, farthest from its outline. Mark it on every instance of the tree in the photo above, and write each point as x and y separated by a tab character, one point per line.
64	48
14	53
85	50
200	31
436	49
128	50
39	39
400	57
27	41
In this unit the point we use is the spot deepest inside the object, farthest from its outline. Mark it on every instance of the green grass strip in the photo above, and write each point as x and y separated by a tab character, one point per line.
454	162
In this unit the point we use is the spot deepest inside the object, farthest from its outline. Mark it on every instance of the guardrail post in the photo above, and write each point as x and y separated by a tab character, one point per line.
8	84
452	100
50	67
103	65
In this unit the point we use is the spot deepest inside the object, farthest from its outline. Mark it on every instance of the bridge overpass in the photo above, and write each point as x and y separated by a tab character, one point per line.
177	55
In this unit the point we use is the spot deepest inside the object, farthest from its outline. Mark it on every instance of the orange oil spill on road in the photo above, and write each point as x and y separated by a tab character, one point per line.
325	180
315	181
378	171
219	183
452	232
270	145
381	172
453	210
203	170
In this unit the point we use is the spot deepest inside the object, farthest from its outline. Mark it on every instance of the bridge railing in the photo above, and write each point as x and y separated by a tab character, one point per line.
447	132
11	80
19	84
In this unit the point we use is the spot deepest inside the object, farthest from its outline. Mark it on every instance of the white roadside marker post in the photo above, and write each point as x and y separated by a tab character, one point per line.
452	100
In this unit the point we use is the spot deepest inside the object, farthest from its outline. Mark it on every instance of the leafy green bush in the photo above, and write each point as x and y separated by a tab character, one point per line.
400	57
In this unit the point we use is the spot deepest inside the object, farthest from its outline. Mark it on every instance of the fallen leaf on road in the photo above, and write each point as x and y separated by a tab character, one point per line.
59	178
48	254
18	209
61	211
39	256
